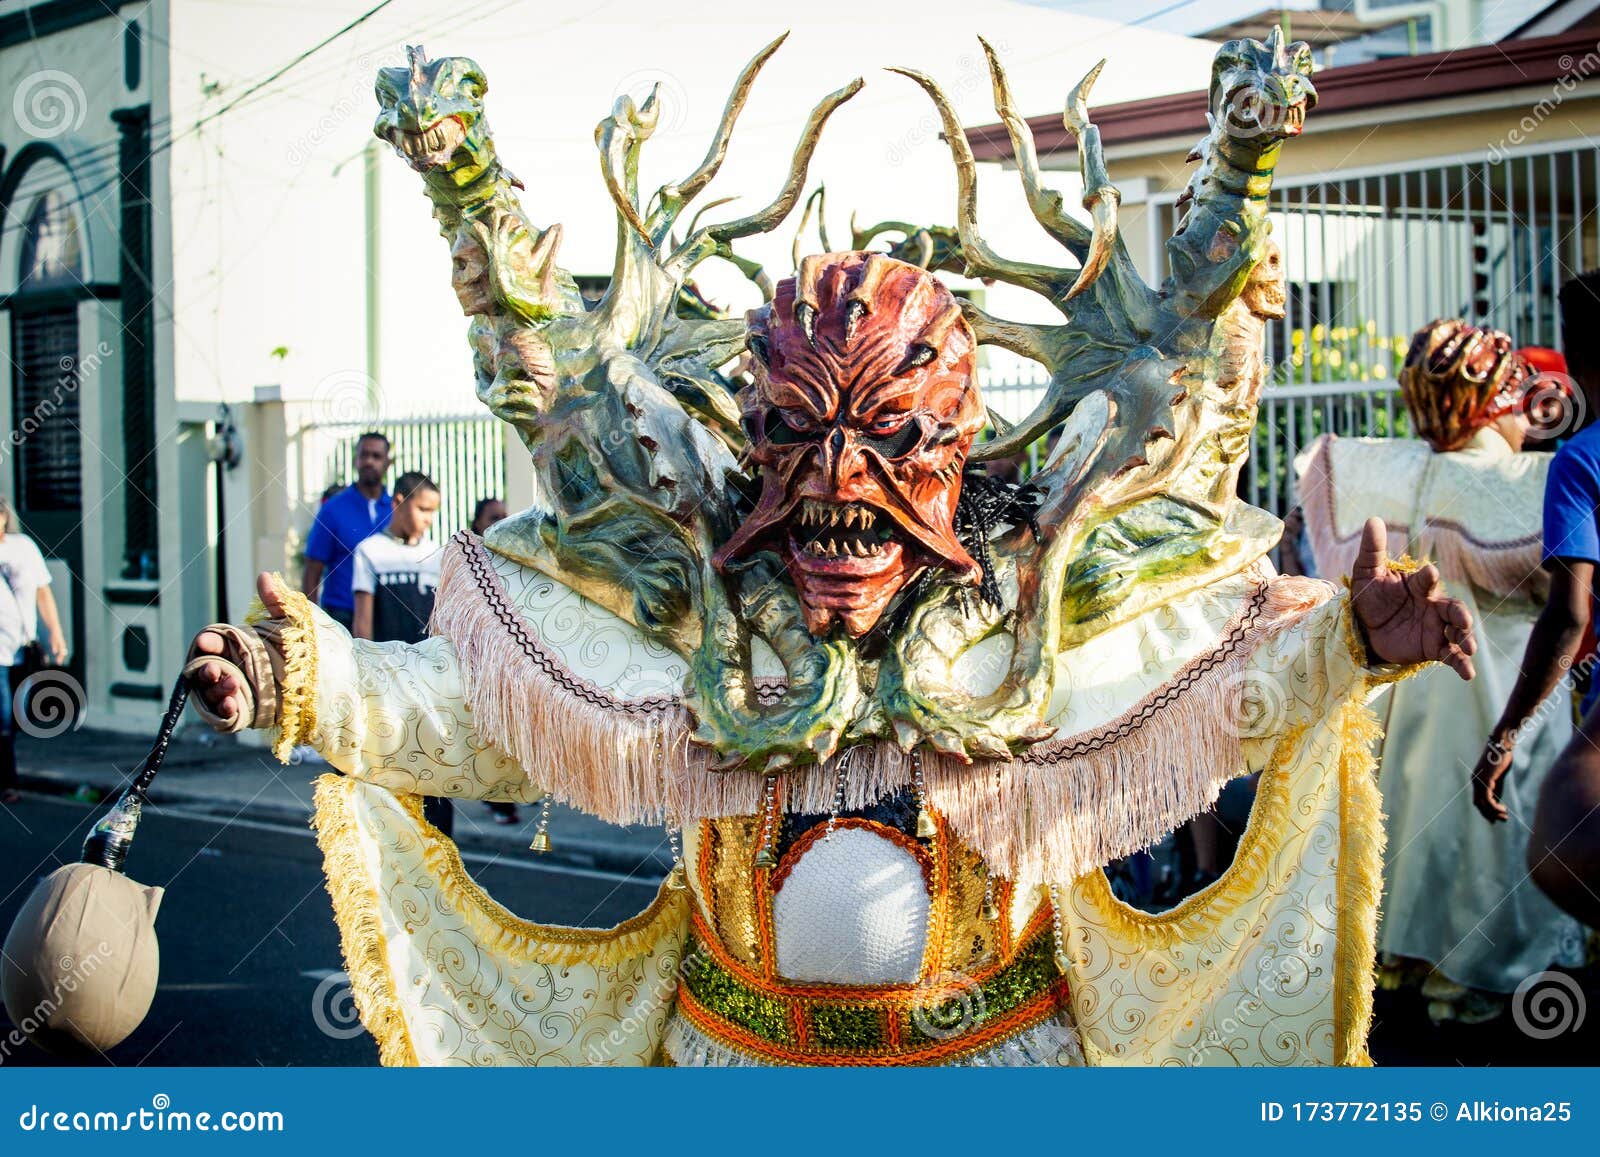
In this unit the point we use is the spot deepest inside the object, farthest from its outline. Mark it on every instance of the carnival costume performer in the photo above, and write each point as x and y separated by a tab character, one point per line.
900	713
1457	895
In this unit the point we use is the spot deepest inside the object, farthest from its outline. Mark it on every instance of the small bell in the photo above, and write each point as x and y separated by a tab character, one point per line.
765	860
990	911
926	828
677	879
541	841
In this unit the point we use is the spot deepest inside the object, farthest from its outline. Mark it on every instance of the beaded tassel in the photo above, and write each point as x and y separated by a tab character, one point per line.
766	854
839	785
541	835
678	877
990	910
926	828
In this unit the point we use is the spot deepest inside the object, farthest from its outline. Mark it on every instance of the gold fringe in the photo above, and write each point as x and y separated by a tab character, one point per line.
1061	809
1359	876
523	941
1361	841
297	698
1201	914
357	912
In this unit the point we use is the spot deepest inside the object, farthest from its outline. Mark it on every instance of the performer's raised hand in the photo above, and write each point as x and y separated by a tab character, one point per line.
233	671
1407	618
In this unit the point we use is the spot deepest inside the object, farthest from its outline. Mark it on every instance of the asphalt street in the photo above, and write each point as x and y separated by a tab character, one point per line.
250	970
250	965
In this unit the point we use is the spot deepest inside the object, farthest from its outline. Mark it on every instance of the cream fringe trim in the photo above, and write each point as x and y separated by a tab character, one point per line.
358	913
297	697
1052	1044
1059	810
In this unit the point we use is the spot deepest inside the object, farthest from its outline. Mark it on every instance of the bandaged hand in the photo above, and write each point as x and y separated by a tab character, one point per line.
234	673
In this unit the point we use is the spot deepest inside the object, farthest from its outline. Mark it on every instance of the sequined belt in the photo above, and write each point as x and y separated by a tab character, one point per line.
904	1024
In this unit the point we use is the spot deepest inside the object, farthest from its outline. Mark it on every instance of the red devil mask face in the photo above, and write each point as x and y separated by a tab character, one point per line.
860	417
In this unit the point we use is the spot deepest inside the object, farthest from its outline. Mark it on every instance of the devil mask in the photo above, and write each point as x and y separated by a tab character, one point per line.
860	416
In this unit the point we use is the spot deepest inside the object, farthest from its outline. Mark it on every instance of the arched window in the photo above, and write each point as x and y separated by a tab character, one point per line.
52	253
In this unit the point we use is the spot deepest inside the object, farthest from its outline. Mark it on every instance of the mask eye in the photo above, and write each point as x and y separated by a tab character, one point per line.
779	432
921	354
892	435
759	349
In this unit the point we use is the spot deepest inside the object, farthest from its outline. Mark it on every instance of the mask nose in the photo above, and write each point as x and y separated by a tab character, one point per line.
842	460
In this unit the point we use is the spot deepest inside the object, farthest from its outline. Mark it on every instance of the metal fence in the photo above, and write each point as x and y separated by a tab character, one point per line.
463	453
1290	418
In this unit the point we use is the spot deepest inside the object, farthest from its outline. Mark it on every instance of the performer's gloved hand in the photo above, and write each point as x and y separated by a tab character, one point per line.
1407	618
235	672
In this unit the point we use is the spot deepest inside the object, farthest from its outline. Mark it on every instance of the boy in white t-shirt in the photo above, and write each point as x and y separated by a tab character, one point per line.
396	570
25	601
394	575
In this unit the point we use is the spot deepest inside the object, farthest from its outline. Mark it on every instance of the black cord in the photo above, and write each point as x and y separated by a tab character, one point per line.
110	839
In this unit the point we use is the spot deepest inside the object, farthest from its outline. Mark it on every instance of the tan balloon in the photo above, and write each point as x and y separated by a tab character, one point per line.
81	960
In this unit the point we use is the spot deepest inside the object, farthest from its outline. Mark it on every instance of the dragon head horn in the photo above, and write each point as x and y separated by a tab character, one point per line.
1275	44
417	59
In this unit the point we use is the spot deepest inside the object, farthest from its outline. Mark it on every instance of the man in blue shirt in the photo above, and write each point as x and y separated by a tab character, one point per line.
343	522
1571	551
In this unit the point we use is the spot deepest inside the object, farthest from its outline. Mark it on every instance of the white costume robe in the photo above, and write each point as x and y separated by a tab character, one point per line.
1457	894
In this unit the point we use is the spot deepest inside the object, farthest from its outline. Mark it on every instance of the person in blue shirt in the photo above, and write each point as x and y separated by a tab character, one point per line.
1571	552
347	518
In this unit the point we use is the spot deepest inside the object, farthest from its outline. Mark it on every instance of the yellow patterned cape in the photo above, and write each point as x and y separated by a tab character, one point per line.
1269	966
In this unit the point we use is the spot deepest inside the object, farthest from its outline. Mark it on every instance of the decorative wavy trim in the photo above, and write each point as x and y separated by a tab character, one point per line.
297	697
1059	810
357	910
523	941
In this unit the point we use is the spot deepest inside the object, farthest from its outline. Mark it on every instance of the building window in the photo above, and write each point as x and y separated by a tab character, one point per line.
52	252
44	345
